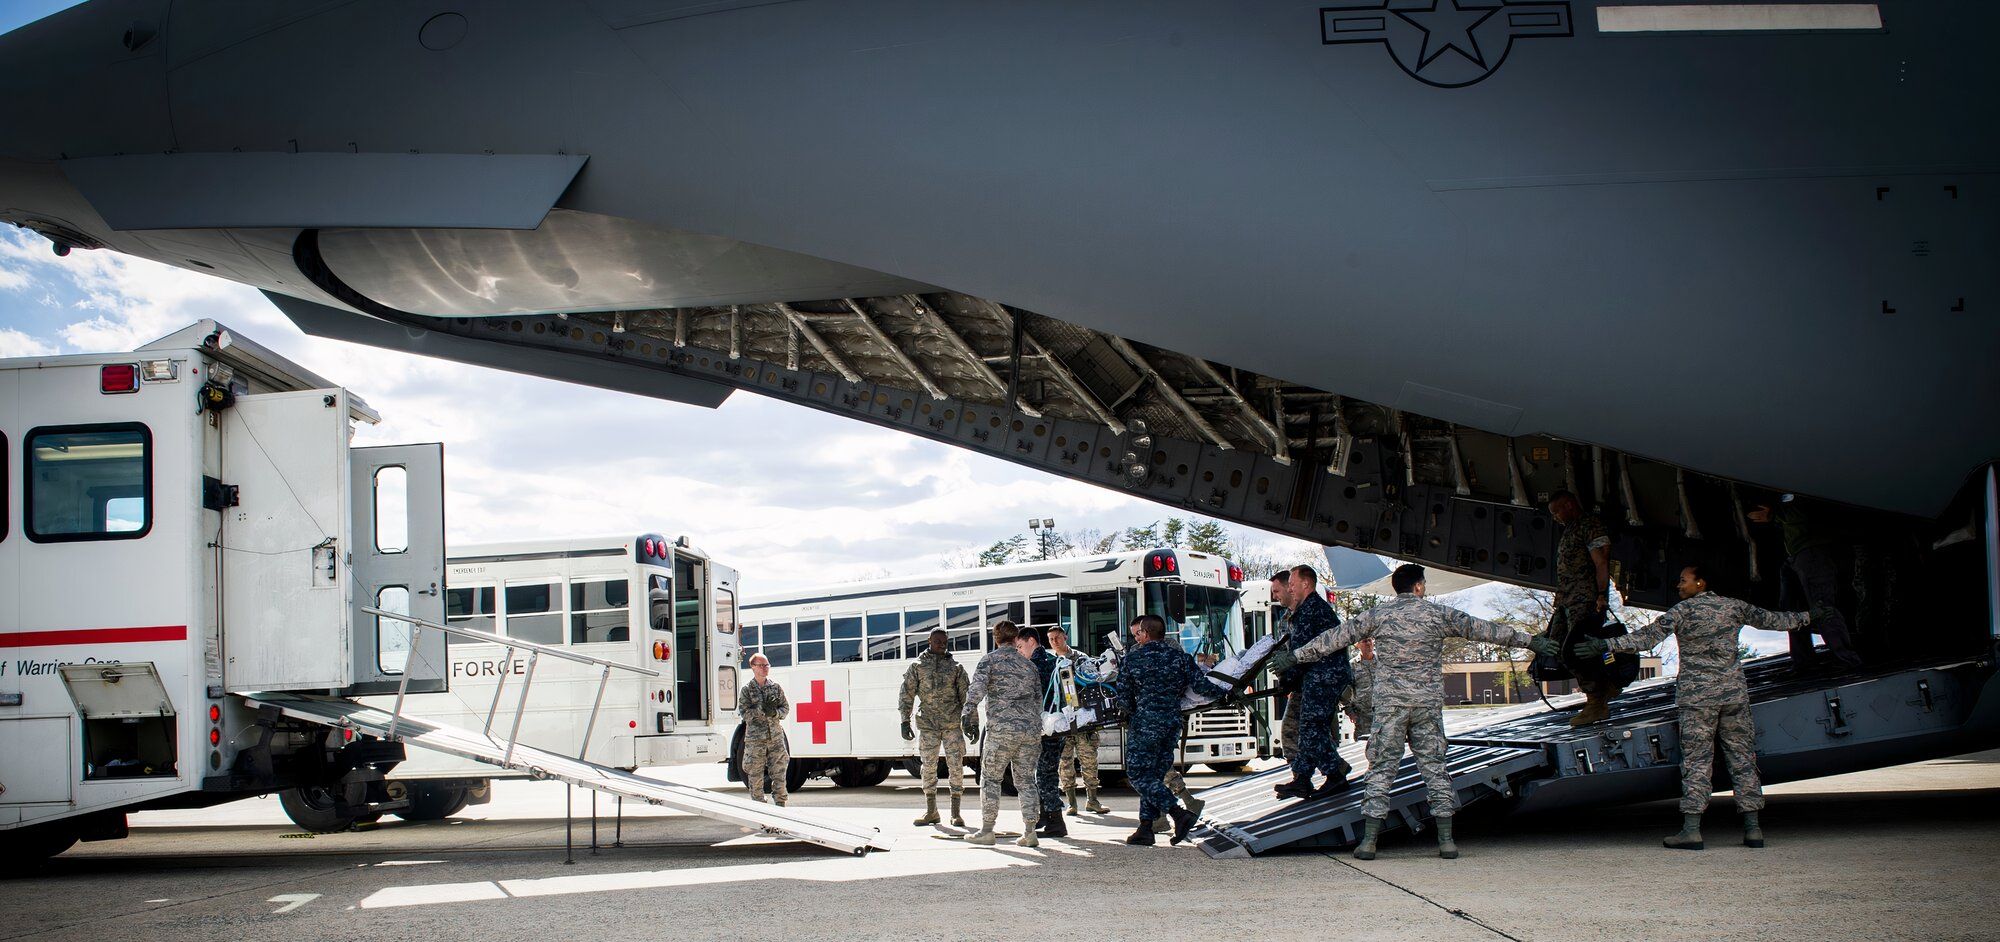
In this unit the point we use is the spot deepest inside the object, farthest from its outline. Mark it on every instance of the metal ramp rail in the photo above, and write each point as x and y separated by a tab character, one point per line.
1243	818
502	753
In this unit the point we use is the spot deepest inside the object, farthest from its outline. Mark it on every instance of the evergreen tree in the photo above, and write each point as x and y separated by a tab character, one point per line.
1004	551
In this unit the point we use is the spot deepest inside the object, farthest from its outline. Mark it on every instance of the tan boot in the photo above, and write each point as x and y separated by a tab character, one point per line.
1595	710
930	815
957	820
1091	805
984	838
1071	792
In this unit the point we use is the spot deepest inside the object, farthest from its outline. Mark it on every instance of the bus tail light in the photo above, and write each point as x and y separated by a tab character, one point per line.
118	378
661	651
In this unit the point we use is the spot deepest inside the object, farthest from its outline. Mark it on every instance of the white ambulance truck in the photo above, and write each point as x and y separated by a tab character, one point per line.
178	525
840	651
643	600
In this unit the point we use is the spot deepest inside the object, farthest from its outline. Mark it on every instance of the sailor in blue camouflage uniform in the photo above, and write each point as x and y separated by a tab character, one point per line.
1713	698
1048	764
1151	682
1320	685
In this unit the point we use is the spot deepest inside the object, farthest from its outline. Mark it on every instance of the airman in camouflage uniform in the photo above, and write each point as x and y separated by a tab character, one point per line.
1713	698
1079	749
940	683
1408	693
1007	682
1582	597
766	755
1151	682
1318	700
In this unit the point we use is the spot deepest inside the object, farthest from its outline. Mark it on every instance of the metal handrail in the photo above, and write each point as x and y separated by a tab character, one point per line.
490	637
535	652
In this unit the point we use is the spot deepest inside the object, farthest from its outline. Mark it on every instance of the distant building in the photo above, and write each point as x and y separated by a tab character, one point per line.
1501	682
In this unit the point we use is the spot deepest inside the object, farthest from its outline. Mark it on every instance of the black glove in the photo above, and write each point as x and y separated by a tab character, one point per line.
907	732
1590	649
971	724
1281	661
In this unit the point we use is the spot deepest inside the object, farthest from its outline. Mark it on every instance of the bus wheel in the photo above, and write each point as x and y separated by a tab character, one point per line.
873	772
312	808
433	802
845	773
1230	768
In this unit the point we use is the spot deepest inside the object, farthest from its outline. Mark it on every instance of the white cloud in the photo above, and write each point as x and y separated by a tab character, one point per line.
14	343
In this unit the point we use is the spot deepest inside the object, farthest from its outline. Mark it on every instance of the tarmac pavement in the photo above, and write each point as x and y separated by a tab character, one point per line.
1901	853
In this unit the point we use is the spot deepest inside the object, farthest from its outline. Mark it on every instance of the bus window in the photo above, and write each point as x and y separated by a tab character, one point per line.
846	644
812	643
1096	618
392	638
1044	611
778	643
532	614
918	623
962	624
998	610
468	607
753	641
91	482
600	610
660	603
1211	623
885	636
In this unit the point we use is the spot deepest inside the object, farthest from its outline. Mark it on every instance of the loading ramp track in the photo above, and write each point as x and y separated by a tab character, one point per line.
480	747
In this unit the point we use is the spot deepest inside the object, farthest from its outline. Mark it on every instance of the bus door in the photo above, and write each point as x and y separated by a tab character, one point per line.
692	592
1092	618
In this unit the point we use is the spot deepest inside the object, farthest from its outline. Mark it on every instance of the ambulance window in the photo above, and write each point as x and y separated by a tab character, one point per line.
392	510
468	607
962	624
812	643
918	623
532	614
392	637
88	482
885	636
846	644
600	610
725	688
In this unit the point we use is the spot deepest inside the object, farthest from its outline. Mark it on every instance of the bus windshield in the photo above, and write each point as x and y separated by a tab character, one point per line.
1213	622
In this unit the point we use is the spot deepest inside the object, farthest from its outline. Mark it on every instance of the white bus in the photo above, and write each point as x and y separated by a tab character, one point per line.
840	651
644	600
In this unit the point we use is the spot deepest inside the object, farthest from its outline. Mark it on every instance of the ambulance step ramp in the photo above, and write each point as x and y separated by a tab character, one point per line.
1243	818
480	747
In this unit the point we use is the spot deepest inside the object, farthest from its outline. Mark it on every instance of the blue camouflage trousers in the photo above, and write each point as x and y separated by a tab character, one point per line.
1149	755
1046	771
1318	703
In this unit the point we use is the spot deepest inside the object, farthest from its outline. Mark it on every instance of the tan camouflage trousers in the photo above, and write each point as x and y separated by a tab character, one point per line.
1003	750
1079	755
1288	731
932	741
766	758
1702	727
1423	729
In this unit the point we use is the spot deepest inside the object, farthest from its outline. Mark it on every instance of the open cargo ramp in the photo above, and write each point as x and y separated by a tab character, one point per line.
480	747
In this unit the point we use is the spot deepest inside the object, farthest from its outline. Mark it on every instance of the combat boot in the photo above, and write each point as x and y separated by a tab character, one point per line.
1296	788
1055	826
930	815
984	838
957	820
1371	832
1027	838
1447	848
1336	782
1091	805
1753	831
1073	812
1143	837
1184	821
1595	710
1690	836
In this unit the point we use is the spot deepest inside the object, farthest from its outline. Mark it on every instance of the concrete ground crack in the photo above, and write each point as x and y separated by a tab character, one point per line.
1456	913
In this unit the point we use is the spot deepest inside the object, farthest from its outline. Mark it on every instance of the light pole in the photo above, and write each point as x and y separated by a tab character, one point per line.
1045	530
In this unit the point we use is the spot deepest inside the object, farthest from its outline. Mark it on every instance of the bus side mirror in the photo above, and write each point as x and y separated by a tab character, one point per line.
1177	602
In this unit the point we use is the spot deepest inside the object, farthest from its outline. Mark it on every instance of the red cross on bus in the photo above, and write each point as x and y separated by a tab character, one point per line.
818	711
